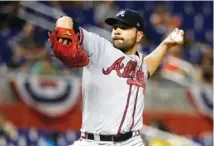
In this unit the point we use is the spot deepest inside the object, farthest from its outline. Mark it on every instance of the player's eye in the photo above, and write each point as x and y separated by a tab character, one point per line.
115	27
124	27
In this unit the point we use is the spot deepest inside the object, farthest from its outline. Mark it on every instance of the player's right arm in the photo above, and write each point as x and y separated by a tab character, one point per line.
155	58
92	44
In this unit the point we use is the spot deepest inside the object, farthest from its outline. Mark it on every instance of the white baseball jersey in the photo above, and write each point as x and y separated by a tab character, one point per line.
113	86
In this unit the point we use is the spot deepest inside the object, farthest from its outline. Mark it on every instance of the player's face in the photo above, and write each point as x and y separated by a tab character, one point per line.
124	37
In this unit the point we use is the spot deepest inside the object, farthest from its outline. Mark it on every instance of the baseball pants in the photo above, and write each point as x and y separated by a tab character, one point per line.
133	141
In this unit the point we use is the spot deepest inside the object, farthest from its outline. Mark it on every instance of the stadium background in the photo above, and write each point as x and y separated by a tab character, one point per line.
40	99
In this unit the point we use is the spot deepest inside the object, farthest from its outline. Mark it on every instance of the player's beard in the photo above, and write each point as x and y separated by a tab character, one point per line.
125	45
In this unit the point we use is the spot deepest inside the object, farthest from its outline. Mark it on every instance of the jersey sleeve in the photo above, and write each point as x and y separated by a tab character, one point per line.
147	73
93	44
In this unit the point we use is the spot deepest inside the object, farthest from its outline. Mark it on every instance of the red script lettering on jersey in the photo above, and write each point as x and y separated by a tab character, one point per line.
128	71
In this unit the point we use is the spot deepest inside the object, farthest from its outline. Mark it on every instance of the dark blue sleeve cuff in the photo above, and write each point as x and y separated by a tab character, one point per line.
148	75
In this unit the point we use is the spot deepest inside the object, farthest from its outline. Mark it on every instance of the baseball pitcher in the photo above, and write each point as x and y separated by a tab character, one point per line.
114	77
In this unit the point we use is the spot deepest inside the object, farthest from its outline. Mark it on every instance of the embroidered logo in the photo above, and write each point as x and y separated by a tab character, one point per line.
129	71
121	13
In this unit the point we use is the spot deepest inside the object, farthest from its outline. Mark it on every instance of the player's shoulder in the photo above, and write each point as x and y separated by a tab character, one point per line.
94	34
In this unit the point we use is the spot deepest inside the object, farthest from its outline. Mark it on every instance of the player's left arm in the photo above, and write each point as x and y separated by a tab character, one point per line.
155	58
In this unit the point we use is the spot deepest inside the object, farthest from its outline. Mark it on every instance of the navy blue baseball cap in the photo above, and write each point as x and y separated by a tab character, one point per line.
129	17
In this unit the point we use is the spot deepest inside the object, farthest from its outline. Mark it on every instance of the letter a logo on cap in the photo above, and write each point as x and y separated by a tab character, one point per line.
122	13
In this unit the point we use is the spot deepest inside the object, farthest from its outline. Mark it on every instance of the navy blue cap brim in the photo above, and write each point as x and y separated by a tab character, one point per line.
112	21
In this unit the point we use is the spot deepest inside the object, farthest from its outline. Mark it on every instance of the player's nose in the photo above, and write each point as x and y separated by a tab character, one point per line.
117	31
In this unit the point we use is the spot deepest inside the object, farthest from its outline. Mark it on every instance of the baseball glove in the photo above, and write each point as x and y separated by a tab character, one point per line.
66	47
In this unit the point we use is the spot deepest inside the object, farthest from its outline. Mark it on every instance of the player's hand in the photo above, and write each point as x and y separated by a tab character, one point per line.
63	22
175	38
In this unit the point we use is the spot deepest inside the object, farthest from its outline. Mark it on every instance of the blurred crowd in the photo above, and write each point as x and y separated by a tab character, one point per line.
25	46
10	135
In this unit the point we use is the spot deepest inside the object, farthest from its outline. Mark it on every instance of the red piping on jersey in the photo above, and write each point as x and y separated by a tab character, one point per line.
81	36
135	103
124	114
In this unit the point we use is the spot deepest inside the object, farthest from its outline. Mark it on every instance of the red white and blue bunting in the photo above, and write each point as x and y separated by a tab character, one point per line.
51	95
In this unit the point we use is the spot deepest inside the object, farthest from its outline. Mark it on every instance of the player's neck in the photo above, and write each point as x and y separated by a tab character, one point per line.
132	51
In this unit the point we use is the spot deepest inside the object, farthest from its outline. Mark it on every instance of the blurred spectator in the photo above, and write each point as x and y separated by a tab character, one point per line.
17	43
160	19
28	31
102	11
3	141
42	142
8	15
33	134
159	124
207	75
176	69
53	139
200	91
31	50
205	66
44	66
22	141
207	59
31	56
7	129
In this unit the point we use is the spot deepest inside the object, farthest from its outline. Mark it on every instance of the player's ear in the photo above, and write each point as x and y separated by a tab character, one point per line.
140	35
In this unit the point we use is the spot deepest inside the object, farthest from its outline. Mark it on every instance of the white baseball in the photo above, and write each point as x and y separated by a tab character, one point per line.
176	37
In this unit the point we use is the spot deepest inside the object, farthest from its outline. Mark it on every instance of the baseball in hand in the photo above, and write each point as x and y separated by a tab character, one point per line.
177	36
